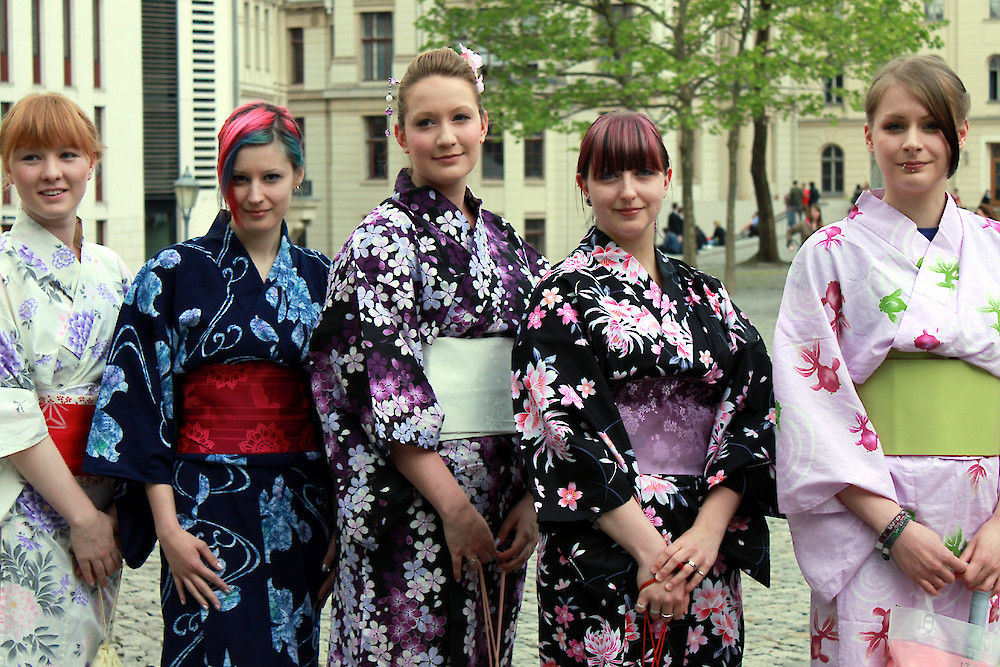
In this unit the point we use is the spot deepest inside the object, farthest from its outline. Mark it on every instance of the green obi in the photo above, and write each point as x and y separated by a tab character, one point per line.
922	404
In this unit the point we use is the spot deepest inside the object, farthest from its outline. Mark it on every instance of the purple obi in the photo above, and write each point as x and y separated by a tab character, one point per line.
669	423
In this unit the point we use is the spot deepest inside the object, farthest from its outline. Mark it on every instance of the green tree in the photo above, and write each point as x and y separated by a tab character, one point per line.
688	64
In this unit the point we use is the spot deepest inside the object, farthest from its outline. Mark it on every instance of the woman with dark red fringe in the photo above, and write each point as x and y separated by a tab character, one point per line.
643	400
205	412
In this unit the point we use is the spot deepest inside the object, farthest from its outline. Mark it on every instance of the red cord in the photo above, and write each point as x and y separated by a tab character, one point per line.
657	642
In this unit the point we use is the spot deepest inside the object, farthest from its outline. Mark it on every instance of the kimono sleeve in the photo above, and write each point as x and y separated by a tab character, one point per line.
134	430
21	421
741	454
824	441
572	443
369	339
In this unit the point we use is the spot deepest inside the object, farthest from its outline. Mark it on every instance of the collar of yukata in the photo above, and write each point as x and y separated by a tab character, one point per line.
408	193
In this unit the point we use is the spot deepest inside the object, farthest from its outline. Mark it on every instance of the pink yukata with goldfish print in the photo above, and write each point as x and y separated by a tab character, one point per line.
858	288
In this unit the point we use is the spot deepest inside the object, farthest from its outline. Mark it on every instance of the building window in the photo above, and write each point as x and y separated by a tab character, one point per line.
534	157
97	43
267	39
67	43
832	170
376	44
36	41
534	233
99	168
493	156
994	79
297	55
934	10
256	39
377	142
102	232
995	9
246	34
4	42
831	90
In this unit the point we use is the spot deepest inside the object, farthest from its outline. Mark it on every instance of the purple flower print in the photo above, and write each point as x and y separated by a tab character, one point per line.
10	361
39	513
28	309
63	257
28	543
30	258
81	596
80	325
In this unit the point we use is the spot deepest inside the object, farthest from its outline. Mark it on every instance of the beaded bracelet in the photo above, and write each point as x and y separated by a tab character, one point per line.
892	533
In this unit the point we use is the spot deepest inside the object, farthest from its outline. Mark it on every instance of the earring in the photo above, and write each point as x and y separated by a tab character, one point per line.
587	201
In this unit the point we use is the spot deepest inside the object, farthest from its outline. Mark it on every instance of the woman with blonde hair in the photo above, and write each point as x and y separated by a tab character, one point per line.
59	299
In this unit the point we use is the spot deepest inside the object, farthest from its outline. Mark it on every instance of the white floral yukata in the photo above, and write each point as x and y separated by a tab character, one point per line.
57	315
857	289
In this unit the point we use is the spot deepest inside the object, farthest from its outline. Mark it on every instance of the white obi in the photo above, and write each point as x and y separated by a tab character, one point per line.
471	381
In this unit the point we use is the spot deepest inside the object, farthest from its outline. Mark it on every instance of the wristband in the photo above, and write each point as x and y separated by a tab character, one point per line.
891	533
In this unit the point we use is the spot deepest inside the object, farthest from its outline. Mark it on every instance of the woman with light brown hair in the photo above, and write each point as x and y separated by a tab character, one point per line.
410	360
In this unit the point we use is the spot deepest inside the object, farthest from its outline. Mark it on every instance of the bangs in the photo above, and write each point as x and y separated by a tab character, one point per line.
622	142
48	121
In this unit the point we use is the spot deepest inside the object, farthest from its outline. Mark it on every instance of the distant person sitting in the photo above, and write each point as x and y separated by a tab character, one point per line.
719	235
752	228
699	238
812	222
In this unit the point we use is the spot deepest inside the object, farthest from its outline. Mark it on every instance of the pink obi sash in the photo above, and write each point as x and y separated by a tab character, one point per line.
68	419
255	407
669	423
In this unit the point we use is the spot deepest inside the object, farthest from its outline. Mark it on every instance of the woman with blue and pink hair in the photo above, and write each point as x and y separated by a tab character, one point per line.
205	415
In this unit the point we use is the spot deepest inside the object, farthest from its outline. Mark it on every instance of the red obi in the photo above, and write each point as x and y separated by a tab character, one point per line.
68	419
256	407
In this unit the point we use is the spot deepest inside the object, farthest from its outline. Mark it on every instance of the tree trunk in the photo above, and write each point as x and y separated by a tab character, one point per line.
767	250
687	195
732	148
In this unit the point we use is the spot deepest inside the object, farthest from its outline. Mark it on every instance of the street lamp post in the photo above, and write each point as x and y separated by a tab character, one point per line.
186	192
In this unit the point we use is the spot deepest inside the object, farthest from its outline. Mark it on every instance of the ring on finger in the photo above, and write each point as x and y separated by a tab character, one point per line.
700	572
662	615
640	607
473	561
694	565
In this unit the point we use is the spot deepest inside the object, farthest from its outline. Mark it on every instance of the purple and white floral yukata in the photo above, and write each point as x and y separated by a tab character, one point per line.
57	315
402	280
626	389
857	289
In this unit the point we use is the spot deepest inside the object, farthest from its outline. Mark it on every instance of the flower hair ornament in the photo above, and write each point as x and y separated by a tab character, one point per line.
393	81
475	62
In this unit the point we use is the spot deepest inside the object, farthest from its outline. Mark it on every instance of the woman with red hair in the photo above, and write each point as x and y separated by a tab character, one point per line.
643	400
205	412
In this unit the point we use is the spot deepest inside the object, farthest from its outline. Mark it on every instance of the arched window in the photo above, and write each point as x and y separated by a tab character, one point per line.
832	170
994	81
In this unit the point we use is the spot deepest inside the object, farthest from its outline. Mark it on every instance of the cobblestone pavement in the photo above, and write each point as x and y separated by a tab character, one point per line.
776	617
